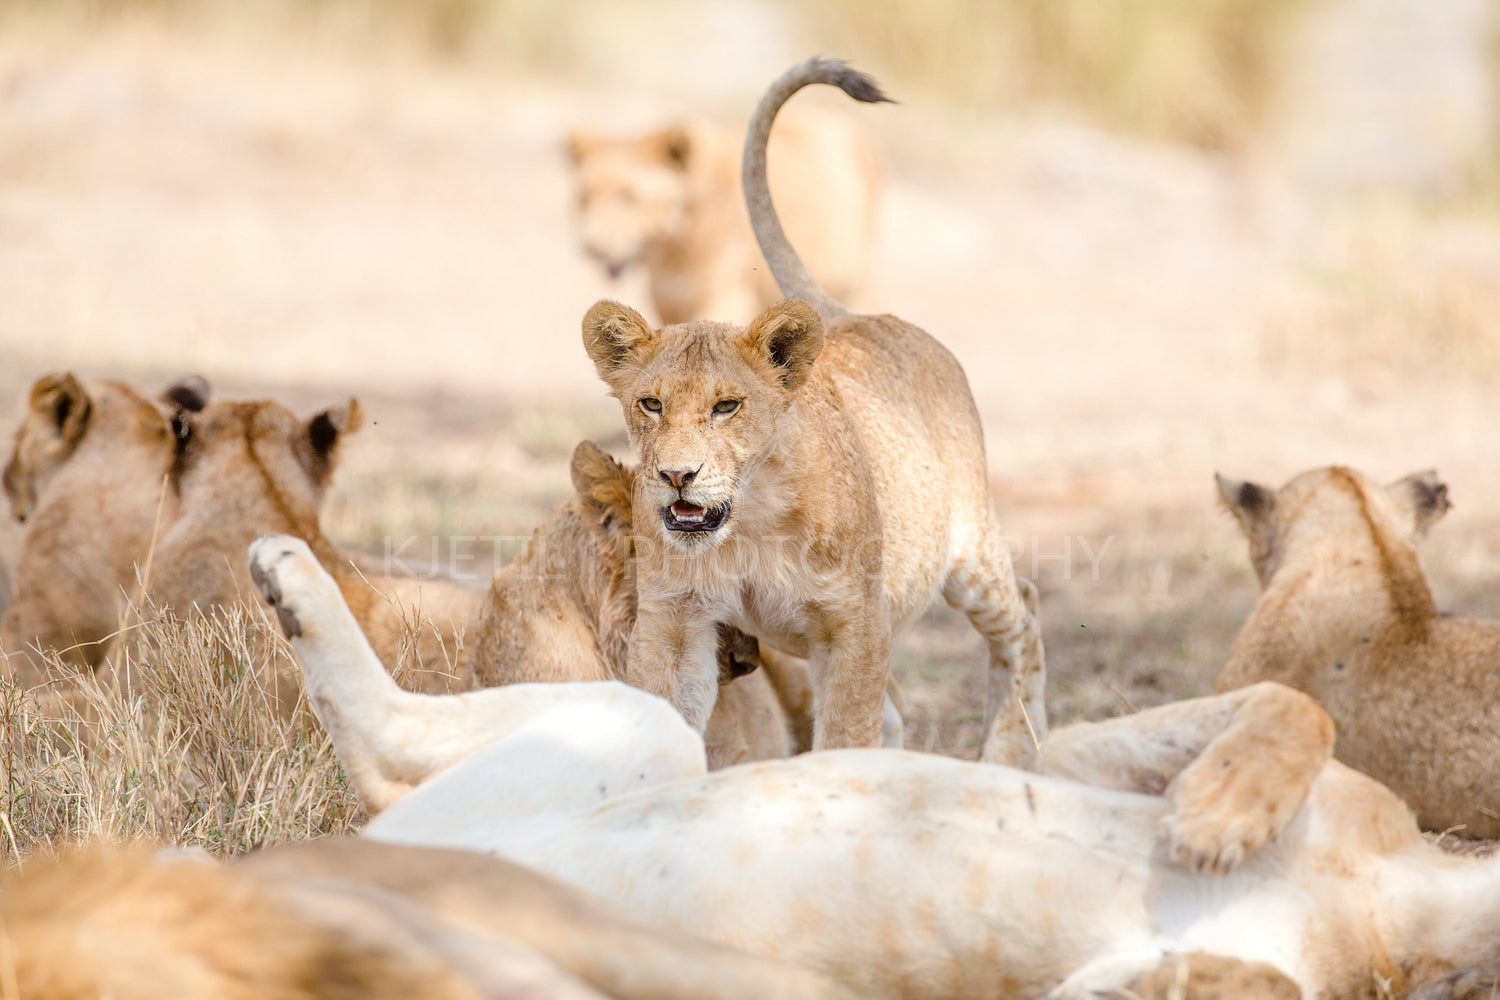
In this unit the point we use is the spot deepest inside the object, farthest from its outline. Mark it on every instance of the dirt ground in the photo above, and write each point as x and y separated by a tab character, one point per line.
1132	318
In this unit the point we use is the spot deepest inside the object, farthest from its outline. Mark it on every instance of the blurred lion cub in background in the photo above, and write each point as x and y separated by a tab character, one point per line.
670	200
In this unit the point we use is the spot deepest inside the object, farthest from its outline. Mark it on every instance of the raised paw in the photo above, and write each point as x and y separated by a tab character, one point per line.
1222	818
284	570
1250	781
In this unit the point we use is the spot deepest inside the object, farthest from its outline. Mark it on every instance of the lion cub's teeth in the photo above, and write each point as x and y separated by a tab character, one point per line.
684	511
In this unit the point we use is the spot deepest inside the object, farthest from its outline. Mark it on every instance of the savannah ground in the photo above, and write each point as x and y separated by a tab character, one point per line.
310	206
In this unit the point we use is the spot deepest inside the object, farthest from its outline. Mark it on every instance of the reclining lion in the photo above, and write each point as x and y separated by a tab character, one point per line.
1345	615
669	201
340	919
813	478
1214	836
248	467
88	479
117	490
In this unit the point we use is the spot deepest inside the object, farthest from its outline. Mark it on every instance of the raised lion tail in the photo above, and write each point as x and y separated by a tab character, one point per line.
791	274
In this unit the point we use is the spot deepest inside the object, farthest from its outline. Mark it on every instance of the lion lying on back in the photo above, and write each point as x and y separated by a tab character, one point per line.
1345	615
1216	832
669	201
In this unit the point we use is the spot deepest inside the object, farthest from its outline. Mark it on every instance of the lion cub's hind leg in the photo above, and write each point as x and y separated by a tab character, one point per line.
983	585
1235	766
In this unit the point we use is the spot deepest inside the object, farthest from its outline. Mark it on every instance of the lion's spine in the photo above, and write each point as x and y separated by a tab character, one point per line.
791	275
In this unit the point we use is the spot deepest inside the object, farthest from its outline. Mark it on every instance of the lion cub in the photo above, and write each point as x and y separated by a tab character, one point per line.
562	610
87	480
1345	615
669	201
247	468
813	484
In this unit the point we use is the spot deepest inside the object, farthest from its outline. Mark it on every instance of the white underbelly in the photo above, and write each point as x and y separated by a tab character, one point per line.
901	875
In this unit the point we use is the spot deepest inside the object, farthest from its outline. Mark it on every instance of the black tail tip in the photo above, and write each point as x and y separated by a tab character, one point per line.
860	86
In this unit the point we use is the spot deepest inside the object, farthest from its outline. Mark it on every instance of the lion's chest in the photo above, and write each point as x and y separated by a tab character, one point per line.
796	619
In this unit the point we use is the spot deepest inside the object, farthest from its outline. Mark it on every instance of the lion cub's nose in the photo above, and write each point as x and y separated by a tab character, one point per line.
678	477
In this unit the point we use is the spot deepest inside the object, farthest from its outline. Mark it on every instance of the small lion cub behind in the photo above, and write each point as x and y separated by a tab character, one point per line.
669	201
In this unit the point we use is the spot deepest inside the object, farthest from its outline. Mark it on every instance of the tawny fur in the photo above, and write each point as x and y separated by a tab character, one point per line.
1219	829
669	201
116	923
512	906
1345	615
339	920
88	477
248	468
850	460
10	547
562	610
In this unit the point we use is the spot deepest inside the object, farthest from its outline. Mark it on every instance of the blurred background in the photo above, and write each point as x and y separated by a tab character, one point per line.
1165	237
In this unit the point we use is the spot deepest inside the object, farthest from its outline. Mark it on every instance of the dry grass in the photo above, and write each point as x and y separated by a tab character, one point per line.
1206	72
181	746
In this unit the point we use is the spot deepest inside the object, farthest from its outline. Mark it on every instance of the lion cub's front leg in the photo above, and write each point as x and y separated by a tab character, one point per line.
674	654
850	672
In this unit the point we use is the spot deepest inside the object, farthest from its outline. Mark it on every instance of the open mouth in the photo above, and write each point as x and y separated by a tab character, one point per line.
684	516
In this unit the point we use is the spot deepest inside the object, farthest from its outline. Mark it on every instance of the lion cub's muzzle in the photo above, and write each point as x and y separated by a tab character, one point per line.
683	516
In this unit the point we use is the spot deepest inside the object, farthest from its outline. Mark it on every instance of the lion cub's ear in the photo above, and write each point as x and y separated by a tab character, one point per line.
604	487
788	337
673	146
580	146
1252	504
326	429
190	394
319	442
1423	499
63	405
612	334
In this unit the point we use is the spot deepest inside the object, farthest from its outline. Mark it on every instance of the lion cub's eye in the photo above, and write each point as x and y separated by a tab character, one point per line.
725	407
650	404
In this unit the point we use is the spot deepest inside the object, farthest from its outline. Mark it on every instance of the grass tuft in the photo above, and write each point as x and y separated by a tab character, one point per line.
198	738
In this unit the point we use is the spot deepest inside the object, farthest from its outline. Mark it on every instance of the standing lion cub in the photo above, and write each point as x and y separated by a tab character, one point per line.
669	202
813	478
